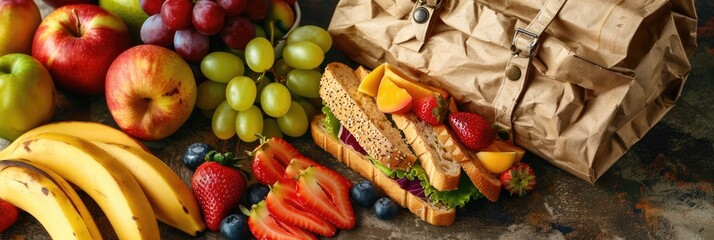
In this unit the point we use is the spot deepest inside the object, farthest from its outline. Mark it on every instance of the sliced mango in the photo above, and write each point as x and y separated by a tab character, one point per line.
416	90
452	105
371	82
496	162
393	99
507	147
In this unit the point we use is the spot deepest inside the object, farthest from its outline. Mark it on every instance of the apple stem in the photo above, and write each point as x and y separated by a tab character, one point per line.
78	30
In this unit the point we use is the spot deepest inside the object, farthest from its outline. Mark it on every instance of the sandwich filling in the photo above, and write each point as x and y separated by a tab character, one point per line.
413	180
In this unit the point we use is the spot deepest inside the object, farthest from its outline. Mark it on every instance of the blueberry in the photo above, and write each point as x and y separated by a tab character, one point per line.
385	208
195	155
235	226
364	194
256	193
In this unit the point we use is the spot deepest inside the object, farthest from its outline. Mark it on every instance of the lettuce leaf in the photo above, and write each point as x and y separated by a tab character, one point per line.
454	198
332	123
390	172
457	197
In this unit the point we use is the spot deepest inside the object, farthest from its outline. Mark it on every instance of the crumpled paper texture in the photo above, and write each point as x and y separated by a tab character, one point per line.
605	73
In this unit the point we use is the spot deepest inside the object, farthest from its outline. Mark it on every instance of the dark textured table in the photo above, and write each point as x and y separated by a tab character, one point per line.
661	189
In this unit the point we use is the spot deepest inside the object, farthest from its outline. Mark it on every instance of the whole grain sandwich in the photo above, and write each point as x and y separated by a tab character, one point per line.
423	168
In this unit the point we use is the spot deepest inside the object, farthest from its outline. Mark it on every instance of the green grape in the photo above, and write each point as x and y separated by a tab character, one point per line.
310	110
208	112
294	122
238	52
240	93
313	34
281	68
304	82
259	54
249	124
271	129
259	31
223	122
303	55
209	94
221	66
275	99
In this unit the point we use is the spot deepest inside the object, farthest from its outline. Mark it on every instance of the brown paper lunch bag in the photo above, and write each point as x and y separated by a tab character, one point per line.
576	82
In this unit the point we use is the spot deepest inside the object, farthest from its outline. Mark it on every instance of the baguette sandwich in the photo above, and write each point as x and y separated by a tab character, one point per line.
421	167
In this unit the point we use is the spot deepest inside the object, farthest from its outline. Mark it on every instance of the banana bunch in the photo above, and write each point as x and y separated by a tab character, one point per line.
132	186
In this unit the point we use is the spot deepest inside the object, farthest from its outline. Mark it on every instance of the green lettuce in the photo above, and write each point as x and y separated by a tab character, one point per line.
453	198
332	123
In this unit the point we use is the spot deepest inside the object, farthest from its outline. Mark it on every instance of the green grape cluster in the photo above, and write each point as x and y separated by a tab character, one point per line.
241	99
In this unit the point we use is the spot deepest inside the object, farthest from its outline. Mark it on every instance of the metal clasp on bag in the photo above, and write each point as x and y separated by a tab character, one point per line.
532	46
421	14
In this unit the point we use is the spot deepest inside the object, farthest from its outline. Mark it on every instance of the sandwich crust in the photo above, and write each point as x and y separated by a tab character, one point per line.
432	213
486	182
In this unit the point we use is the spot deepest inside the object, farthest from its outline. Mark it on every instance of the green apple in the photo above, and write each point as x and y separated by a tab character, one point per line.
18	21
27	95
130	12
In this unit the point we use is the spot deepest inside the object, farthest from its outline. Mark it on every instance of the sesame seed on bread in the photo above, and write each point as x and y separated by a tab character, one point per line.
358	113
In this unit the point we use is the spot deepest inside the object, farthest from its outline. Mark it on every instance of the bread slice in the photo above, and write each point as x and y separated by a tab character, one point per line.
442	170
358	113
432	213
486	182
361	72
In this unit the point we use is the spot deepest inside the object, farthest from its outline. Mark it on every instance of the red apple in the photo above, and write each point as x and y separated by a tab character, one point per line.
77	43
18	21
150	91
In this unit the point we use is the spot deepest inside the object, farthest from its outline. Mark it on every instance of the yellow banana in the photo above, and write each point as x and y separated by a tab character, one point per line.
47	197
172	201
101	176
88	130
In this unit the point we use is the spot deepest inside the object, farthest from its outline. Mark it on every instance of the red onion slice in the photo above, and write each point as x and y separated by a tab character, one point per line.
350	140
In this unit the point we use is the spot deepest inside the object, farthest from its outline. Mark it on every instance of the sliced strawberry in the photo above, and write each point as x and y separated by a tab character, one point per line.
271	158
266	169
283	205
282	149
298	164
264	226
326	192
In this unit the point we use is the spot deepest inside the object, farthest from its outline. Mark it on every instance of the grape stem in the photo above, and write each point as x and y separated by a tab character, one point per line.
272	32
271	25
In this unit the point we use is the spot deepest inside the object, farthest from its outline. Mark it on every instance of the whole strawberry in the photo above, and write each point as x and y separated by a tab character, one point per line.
8	215
218	186
432	109
519	179
472	129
